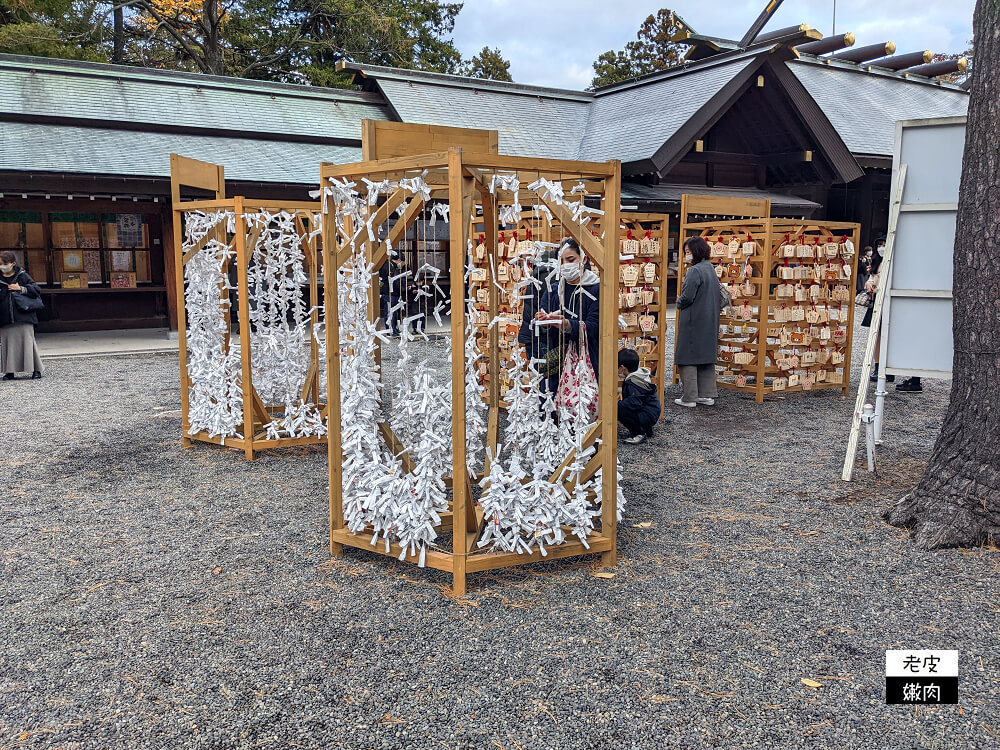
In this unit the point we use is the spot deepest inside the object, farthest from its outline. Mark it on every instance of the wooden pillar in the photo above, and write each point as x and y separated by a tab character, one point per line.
458	187
764	307
177	264
608	363
855	235
335	455
170	266
243	305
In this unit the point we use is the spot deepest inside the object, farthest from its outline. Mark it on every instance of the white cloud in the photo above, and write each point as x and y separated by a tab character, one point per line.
555	42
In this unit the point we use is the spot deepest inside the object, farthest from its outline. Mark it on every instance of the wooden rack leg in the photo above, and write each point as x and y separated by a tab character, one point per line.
608	366
242	263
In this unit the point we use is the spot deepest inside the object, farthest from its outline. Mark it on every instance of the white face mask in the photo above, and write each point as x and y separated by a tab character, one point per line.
570	271
688	257
6	268
880	249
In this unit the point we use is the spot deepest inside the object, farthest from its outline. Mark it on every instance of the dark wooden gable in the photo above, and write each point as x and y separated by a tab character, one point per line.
768	134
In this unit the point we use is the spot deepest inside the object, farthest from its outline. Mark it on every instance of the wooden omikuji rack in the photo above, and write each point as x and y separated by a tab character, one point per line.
650	344
632	227
203	176
462	178
814	352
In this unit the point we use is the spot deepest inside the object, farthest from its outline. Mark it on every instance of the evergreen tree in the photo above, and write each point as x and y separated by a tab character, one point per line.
655	48
489	63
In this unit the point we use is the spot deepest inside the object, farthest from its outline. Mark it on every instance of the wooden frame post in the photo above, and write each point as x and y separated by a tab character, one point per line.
335	455
608	365
202	175
458	187
243	311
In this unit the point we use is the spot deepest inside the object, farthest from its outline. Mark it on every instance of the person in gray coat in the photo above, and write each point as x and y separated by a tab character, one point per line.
698	326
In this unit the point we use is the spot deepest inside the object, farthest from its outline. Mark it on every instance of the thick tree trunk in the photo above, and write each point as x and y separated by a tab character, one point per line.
212	44
118	56
957	501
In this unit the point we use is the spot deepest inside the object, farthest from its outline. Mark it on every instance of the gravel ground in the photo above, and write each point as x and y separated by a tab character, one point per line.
156	597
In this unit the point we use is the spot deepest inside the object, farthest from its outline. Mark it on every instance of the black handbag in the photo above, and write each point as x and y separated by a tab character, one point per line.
553	361
27	304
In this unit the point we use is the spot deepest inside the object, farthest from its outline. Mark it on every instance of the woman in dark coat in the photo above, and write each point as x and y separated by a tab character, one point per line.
571	299
18	351
698	327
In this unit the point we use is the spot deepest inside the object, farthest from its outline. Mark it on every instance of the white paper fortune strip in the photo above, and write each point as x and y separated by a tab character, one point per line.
215	397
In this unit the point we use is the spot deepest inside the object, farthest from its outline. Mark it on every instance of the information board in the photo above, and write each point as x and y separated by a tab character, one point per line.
917	335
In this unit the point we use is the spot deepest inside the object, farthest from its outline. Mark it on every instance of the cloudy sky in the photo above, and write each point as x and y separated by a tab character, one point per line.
554	42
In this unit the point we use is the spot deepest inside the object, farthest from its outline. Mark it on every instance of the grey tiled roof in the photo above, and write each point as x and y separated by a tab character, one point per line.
69	149
528	123
39	87
864	107
632	123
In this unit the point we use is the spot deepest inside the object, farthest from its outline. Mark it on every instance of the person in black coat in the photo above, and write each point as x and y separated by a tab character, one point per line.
398	292
569	300
18	351
532	293
639	408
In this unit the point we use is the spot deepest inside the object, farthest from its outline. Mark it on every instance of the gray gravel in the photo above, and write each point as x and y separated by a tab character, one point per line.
156	597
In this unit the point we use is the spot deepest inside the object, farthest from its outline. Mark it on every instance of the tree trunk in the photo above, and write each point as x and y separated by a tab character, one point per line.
118	56
212	45
957	501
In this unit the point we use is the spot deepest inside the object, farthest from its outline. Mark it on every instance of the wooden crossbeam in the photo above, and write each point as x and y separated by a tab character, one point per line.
384	211
588	440
199	246
398	231
395	445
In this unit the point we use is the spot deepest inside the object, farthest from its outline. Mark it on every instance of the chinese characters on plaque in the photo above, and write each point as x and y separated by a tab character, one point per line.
921	677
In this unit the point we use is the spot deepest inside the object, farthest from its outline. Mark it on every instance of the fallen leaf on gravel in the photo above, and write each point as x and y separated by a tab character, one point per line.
811	683
216	571
601	574
662	699
643	525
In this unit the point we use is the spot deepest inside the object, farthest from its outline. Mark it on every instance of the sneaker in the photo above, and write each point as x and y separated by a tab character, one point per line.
910	385
649	432
682	402
705	401
9	376
636	439
888	378
36	375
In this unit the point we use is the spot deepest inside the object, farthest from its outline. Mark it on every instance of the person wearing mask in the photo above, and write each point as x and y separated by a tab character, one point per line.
573	300
20	298
699	306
